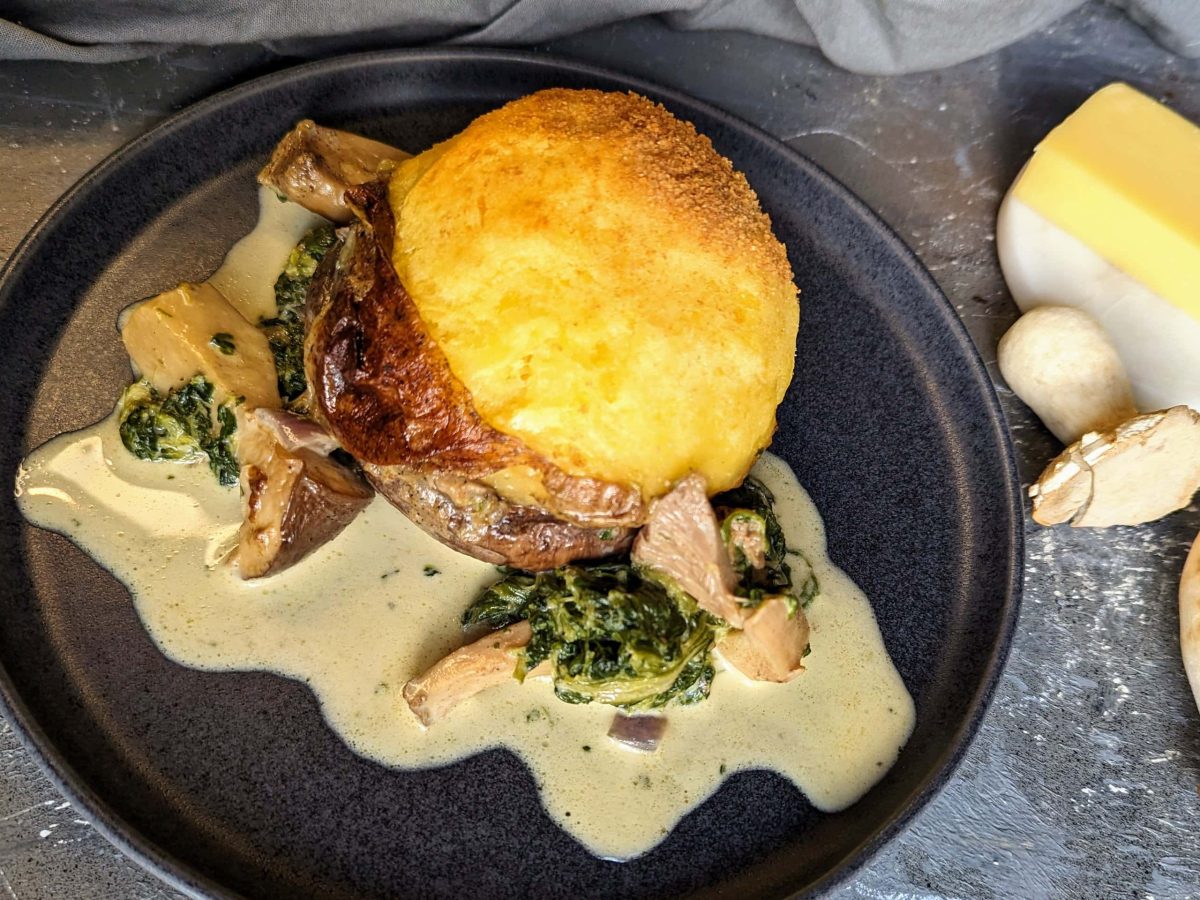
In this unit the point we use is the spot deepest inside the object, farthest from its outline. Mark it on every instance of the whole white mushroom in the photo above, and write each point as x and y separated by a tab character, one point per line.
1064	367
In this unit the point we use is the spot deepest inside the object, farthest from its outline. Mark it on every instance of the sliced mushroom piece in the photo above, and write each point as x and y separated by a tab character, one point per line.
193	329
1063	489
1189	619
292	501
295	432
1140	471
488	662
682	539
315	166
771	644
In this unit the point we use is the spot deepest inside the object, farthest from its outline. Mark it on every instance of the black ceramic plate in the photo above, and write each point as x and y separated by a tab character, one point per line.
231	785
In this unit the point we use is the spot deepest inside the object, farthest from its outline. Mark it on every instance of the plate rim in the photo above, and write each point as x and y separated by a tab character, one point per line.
141	848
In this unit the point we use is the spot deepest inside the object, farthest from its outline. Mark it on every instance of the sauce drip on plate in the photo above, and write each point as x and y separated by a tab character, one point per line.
382	602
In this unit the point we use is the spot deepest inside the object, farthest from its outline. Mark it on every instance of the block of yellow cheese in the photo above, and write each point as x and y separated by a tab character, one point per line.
1105	217
1122	174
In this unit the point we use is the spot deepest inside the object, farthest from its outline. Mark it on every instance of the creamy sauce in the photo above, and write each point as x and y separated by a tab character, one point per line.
247	277
361	616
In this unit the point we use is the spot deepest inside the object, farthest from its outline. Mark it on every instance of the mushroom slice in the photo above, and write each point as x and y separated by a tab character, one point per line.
193	329
1140	471
315	166
488	662
771	644
292	501
1063	489
1189	619
682	539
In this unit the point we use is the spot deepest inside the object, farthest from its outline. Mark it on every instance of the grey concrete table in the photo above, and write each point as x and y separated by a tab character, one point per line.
1083	780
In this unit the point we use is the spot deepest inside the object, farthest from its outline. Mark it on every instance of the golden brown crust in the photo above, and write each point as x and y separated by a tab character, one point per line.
384	389
604	284
378	379
672	167
580	303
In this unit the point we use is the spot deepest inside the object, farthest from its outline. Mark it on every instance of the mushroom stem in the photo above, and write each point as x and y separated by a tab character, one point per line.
489	661
1140	471
315	166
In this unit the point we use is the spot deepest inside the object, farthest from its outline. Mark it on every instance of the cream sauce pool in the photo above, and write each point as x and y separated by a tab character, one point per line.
381	603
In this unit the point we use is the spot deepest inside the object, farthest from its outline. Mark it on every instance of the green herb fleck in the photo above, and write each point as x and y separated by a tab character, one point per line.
607	534
431	570
223	341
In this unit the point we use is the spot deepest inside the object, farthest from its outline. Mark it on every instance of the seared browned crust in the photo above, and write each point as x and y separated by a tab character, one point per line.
379	379
473	519
320	511
704	200
384	389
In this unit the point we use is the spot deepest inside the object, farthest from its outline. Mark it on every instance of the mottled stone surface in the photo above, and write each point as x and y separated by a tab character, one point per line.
1083	780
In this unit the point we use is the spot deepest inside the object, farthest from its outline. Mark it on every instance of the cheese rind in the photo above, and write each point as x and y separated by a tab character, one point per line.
1044	265
1122	174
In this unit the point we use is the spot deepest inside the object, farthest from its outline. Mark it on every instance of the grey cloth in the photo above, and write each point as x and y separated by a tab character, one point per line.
871	36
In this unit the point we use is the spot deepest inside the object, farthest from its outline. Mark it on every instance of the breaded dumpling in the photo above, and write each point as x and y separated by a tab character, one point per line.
604	285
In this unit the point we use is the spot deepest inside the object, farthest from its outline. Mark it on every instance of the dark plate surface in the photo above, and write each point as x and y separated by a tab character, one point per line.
231	785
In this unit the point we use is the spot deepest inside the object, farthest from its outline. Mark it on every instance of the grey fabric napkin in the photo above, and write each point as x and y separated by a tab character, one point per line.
873	36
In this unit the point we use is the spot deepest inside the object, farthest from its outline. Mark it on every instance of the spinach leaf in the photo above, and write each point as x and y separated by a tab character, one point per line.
285	330
182	425
758	548
611	633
